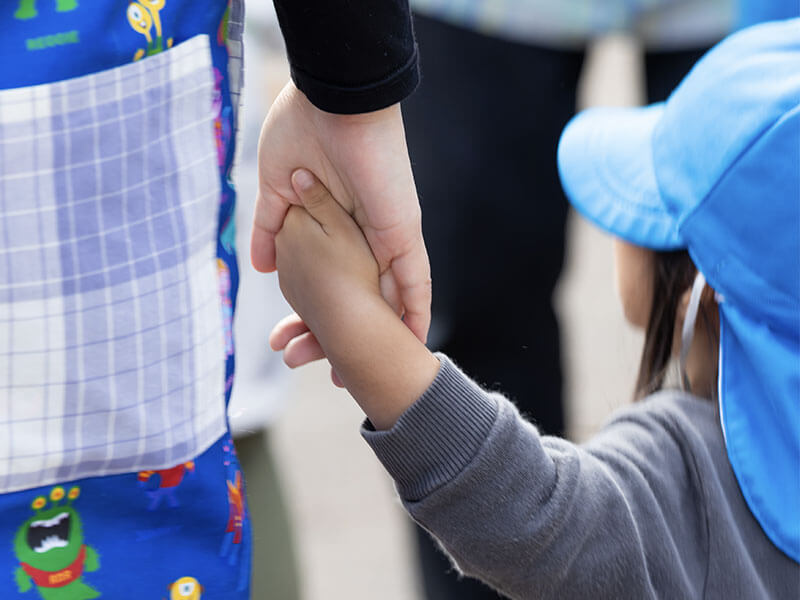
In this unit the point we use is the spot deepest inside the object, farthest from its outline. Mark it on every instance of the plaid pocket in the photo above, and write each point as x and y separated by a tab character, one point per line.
111	339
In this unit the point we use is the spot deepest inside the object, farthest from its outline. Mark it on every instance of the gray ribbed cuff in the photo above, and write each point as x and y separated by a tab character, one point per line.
437	436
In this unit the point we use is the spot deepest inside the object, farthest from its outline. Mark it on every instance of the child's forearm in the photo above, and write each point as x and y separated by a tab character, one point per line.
380	361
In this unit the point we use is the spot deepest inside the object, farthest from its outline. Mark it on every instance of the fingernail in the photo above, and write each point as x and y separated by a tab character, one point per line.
303	179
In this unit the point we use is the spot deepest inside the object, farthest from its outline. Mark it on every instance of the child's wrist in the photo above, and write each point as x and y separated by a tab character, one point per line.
380	361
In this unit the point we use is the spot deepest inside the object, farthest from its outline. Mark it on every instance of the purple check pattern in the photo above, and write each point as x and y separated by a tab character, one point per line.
110	317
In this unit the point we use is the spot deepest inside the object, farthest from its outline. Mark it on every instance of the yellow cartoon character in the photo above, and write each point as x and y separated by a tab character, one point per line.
185	588
142	17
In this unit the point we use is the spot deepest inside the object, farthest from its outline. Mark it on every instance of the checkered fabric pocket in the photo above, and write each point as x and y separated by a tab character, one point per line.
111	340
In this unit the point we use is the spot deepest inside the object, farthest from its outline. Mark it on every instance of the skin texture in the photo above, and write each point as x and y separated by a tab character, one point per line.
634	266
363	160
330	277
331	280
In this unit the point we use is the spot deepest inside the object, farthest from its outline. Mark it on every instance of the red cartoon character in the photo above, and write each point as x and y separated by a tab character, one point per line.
163	483
236	504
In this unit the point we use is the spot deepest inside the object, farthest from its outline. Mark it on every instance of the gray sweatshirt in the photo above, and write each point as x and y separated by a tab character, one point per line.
649	508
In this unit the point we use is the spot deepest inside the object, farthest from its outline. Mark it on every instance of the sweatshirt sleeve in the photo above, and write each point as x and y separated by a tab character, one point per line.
539	517
350	57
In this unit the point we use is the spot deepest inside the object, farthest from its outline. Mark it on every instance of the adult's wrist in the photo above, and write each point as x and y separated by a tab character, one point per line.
349	60
340	100
381	115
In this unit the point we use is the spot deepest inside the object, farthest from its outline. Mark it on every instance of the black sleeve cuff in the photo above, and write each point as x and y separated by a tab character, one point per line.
350	57
359	99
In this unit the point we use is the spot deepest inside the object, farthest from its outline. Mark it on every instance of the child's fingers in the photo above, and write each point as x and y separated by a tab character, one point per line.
316	198
285	330
302	350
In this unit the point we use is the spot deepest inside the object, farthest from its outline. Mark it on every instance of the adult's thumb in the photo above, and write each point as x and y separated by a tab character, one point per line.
316	198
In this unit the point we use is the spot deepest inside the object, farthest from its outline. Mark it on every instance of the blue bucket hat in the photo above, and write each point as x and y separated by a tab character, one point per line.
716	170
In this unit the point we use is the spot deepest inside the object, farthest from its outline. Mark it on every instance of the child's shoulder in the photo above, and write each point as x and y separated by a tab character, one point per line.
667	428
671	409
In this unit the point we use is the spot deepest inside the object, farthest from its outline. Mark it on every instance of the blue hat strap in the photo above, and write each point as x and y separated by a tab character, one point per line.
687	333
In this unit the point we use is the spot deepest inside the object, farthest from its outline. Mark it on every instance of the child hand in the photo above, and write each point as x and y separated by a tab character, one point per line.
325	267
330	277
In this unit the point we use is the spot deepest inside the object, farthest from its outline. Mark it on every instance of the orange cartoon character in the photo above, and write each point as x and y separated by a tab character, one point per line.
236	513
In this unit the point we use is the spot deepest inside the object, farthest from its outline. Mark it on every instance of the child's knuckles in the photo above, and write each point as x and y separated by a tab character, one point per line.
292	218
317	197
292	224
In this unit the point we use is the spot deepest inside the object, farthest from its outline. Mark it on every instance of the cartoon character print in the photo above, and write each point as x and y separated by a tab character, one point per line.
27	8
185	588
236	528
227	236
224	276
222	29
222	122
143	16
163	483
236	513
51	550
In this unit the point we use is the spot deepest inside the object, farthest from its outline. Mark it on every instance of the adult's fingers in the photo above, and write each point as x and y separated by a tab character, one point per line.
412	272
302	350
390	293
268	218
287	328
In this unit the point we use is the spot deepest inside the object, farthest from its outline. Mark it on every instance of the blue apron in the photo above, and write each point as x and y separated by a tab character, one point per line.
118	278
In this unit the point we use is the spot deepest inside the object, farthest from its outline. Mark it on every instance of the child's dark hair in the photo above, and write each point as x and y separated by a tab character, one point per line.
673	273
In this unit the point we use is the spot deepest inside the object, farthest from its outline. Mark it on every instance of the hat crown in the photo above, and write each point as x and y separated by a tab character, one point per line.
726	154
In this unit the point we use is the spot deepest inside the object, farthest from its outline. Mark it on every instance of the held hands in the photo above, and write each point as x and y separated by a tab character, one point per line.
326	270
330	277
363	160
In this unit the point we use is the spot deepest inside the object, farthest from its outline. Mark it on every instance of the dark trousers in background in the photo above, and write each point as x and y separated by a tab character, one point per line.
275	571
482	130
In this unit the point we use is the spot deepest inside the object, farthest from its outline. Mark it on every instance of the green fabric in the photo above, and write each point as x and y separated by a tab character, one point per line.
275	572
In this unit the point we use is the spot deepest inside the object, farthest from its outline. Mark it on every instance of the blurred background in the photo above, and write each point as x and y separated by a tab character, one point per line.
327	523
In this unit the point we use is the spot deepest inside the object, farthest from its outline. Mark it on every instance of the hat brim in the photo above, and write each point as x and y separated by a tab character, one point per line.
605	161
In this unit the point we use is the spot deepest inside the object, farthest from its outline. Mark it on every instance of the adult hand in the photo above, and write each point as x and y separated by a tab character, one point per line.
363	160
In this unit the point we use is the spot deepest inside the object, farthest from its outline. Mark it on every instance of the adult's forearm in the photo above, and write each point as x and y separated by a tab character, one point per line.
347	56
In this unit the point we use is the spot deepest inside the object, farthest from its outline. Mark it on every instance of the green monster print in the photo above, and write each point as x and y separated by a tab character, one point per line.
51	552
27	8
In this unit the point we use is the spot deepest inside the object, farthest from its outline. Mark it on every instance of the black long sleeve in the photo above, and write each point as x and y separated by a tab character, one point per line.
350	56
